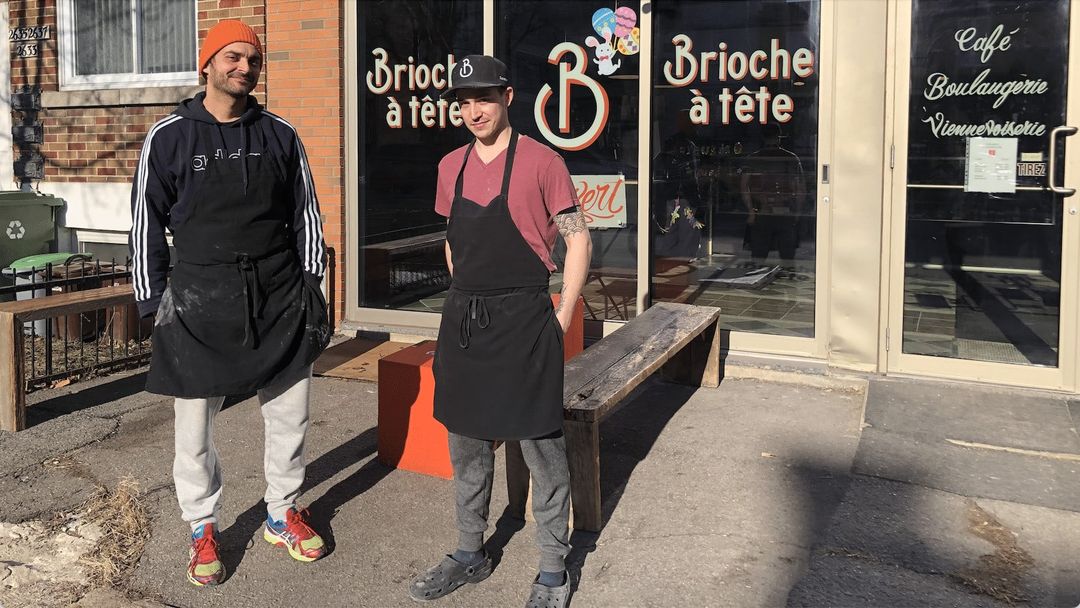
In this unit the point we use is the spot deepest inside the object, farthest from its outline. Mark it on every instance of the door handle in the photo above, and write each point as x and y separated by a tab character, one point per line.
1066	131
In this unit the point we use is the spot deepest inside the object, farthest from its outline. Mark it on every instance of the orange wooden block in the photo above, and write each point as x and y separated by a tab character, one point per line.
574	338
409	436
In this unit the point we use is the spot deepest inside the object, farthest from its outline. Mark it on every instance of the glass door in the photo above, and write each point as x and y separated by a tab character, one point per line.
982	274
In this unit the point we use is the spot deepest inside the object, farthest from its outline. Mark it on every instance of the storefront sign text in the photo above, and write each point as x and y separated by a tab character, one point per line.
1031	169
412	77
603	200
941	86
744	105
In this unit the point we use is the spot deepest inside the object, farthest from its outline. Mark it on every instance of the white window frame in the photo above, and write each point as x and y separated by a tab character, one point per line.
69	81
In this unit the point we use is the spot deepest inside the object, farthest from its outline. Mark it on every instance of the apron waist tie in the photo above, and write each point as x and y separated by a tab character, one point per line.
475	310
254	299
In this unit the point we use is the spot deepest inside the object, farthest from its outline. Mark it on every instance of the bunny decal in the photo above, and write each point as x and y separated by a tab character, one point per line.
604	52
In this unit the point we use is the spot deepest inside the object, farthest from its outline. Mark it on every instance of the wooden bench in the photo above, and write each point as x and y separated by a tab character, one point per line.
680	339
12	317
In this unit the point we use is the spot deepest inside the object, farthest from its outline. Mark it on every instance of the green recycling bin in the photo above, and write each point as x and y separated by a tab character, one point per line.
31	269
27	224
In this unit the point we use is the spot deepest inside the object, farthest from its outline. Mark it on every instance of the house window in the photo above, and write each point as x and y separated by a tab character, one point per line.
126	43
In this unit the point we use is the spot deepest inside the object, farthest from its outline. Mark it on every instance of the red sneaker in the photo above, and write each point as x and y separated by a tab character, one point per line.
205	567
295	535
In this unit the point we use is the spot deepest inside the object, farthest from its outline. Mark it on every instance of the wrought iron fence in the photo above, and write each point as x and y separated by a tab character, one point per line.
81	345
77	345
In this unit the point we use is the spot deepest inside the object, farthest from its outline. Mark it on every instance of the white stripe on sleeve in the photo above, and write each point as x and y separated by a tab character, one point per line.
313	248
140	224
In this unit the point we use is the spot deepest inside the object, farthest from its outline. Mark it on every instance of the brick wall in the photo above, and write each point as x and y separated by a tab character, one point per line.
101	143
304	54
251	12
302	41
96	144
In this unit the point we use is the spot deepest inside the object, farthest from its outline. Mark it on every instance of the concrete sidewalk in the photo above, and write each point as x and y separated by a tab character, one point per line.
767	491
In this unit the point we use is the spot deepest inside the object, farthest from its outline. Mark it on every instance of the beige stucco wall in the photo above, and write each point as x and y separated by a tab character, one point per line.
859	159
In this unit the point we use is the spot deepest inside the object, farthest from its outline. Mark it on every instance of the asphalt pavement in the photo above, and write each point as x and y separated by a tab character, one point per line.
778	488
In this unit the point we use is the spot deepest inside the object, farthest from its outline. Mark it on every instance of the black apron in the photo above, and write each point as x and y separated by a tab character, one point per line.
499	360
239	312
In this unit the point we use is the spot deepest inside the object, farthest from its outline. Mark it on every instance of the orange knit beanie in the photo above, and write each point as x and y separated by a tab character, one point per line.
222	35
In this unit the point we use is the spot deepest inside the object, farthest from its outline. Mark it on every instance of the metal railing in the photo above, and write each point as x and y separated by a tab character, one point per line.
77	345
81	345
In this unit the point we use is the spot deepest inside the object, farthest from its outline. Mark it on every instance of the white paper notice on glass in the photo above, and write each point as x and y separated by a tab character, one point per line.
991	164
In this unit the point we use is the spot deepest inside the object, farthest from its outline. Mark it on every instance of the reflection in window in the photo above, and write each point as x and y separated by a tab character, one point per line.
406	47
595	130
735	134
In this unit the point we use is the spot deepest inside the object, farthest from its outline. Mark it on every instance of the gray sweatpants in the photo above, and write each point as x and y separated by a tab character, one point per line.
474	471
197	470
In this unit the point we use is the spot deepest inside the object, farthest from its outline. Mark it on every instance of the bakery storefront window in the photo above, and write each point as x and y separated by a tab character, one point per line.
574	67
406	49
734	149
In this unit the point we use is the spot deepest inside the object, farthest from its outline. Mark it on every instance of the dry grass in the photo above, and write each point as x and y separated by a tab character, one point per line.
125	530
1000	574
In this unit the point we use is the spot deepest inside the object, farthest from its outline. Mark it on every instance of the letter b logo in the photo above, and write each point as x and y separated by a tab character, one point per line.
571	75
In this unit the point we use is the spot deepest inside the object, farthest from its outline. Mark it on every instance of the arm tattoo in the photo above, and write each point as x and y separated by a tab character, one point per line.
571	223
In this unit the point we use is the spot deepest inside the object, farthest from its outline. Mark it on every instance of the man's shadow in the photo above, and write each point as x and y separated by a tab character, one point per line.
324	508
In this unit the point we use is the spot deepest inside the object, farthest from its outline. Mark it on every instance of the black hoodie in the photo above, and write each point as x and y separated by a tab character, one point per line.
177	149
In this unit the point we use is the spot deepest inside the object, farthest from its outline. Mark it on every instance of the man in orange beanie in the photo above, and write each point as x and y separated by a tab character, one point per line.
242	310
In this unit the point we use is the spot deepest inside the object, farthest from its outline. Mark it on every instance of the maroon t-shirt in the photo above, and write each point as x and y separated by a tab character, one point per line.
539	189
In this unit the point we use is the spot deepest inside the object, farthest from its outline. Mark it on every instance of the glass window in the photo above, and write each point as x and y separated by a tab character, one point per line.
734	149
406	50
982	259
127	43
574	68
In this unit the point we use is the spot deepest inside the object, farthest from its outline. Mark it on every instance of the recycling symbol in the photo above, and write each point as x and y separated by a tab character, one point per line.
16	230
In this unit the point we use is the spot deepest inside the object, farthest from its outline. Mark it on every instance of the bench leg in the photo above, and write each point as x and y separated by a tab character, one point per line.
698	363
12	397
517	480
583	455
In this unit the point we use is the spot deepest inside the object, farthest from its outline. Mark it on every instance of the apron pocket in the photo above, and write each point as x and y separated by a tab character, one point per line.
558	328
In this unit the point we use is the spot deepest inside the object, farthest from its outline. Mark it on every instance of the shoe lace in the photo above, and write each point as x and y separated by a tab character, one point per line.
206	550
296	523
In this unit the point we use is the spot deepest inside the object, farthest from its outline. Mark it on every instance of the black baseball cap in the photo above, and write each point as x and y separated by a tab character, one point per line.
477	72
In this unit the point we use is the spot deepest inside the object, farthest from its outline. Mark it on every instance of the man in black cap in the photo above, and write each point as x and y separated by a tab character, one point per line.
499	361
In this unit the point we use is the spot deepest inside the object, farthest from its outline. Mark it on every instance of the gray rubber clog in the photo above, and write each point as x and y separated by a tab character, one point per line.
542	596
446	576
